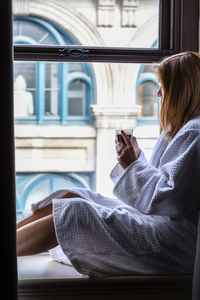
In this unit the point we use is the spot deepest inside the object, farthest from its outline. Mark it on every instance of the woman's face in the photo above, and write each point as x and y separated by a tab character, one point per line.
160	92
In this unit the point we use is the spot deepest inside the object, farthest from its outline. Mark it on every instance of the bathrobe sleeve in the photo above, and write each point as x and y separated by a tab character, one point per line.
117	171
173	187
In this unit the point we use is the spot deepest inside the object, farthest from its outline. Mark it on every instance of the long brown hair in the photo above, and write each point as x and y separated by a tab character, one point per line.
179	76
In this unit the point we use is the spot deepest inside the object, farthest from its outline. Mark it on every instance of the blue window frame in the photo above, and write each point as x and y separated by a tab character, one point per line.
146	96
147	86
33	187
42	89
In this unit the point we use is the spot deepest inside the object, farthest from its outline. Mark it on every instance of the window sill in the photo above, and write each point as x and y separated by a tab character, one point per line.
141	121
42	278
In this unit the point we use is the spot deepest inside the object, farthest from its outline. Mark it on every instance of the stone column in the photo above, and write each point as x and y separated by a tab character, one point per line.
107	119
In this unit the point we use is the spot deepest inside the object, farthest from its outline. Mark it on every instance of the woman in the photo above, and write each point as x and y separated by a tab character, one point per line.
151	226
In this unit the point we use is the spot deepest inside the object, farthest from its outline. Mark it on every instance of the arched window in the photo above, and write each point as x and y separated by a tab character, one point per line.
147	86
34	187
54	100
80	93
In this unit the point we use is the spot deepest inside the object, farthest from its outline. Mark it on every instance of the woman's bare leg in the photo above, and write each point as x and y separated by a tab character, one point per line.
36	237
42	212
38	214
36	233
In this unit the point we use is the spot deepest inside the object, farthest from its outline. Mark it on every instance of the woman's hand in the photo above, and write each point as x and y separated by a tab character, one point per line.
128	152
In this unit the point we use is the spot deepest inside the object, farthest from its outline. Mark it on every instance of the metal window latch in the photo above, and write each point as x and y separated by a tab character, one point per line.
75	53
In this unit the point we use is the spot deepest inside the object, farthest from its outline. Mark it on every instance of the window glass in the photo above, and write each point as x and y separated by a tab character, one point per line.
38	192
51	88
24	89
147	86
28	28
102	97
31	187
43	92
77	98
95	23
148	99
75	67
46	92
119	96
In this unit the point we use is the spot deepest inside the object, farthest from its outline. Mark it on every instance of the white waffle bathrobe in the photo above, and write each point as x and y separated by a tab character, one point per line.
151	226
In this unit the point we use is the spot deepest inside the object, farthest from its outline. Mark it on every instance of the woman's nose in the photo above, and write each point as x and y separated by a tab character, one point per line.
159	93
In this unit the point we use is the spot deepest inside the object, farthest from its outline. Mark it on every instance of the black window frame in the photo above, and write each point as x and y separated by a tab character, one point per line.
177	28
178	31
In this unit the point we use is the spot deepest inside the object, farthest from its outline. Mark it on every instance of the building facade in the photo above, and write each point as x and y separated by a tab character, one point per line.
66	114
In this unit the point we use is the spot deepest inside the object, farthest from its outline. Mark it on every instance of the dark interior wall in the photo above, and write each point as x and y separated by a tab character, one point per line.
8	264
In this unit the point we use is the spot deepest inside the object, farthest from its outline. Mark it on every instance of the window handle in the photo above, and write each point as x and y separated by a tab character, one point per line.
76	53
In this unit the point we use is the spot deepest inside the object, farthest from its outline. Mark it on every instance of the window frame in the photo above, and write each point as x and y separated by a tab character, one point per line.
146	120
184	11
176	34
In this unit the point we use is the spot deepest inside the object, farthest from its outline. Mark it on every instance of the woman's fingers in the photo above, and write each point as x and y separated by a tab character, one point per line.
126	138
119	147
135	146
129	153
126	157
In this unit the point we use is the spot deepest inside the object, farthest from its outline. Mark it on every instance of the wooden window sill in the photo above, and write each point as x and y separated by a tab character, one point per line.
42	278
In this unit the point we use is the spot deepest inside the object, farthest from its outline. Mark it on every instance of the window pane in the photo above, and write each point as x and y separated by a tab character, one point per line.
95	23
34	30
148	99
31	187
24	89
48	92
38	192
77	98
124	96
75	67
51	88
76	107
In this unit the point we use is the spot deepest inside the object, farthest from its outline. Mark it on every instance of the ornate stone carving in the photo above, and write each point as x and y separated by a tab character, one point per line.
105	13
21	7
128	13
